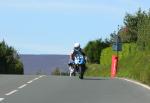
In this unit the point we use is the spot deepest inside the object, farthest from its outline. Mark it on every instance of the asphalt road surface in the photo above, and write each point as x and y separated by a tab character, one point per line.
52	89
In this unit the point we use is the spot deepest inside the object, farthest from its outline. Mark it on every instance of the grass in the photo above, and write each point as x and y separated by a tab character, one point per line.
132	64
97	70
136	67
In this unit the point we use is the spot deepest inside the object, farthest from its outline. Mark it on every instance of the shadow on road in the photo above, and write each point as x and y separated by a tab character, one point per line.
87	78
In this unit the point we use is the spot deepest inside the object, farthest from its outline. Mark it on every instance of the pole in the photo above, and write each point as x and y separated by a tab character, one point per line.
117	50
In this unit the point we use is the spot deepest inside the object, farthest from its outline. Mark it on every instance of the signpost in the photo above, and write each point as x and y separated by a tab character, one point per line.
116	46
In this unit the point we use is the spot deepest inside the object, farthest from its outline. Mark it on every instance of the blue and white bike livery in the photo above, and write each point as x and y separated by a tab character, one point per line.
77	66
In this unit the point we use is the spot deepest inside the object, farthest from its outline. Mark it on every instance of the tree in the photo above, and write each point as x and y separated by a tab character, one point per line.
9	60
93	50
143	41
112	37
131	26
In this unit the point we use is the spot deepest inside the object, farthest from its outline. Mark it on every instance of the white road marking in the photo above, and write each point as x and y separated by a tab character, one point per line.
30	81
22	86
1	99
135	82
14	91
36	78
41	76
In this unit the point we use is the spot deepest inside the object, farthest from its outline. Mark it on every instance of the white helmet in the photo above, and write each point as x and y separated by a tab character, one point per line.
77	45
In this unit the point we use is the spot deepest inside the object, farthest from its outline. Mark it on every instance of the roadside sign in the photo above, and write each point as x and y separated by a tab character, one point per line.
117	45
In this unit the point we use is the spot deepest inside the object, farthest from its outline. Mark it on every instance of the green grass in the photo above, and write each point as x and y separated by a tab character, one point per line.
132	64
136	67
97	70
107	53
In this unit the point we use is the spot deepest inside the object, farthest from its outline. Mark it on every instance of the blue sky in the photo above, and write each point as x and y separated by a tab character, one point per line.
53	26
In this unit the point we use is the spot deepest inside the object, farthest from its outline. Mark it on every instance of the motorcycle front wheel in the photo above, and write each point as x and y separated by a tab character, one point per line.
81	71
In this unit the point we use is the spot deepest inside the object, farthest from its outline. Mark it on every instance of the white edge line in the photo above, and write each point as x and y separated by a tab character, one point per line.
135	82
1	99
11	92
22	86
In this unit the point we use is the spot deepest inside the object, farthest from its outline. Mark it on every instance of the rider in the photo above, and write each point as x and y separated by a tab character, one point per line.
77	50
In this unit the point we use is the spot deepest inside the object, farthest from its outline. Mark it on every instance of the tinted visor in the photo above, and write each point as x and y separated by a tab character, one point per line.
77	48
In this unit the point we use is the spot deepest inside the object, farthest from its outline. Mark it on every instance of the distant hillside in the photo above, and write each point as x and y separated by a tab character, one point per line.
44	64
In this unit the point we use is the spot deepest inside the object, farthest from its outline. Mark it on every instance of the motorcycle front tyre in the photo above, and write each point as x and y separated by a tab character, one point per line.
81	72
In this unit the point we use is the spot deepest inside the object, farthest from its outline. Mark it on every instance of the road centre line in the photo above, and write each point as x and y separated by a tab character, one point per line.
1	99
30	81
41	76
14	91
36	79
22	86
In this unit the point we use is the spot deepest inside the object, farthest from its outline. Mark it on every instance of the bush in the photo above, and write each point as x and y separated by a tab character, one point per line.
9	60
97	70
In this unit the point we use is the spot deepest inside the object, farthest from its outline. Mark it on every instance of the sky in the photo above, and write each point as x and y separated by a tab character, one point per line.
53	26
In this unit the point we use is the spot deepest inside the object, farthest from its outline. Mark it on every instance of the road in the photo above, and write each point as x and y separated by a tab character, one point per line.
53	89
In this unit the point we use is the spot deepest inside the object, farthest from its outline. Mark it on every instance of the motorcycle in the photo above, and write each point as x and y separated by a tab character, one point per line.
78	66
